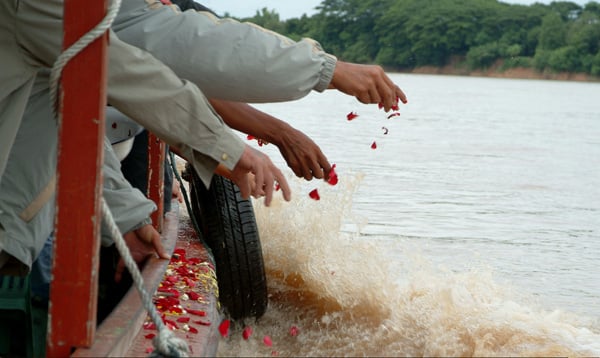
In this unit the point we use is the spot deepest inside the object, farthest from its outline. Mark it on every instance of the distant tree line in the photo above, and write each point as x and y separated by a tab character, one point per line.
403	34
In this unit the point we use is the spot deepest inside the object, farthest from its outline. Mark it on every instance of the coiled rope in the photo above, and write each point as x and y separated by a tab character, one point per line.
166	344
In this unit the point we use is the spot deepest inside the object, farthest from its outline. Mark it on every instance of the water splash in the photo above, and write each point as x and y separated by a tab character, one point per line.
349	297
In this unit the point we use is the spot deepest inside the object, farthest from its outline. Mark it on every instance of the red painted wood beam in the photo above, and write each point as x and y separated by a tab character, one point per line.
156	176
74	286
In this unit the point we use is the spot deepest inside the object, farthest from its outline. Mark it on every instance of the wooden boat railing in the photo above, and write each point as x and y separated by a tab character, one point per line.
74	287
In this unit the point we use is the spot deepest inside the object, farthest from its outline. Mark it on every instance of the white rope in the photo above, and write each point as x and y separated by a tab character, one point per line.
74	49
165	343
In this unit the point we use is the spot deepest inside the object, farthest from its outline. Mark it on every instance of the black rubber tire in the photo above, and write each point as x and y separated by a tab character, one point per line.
229	228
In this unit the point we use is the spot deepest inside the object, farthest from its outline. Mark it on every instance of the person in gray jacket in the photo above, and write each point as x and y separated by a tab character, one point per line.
138	85
244	62
235	61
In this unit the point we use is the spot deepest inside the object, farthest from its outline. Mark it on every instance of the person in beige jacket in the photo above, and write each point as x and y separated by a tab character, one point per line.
138	85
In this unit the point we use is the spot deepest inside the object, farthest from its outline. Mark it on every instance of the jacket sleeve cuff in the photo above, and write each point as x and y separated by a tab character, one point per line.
326	73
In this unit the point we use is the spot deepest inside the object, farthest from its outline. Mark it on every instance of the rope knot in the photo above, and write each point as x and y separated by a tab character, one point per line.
166	344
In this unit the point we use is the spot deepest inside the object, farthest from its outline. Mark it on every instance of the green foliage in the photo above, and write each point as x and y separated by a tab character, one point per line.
269	19
483	56
403	34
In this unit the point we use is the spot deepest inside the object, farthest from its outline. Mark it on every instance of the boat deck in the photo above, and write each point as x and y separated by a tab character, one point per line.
185	292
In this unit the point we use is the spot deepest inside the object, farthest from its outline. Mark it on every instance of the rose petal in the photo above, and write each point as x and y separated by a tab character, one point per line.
293	331
150	336
224	328
267	341
374	145
350	116
247	332
196	312
193	330
183	319
193	296
395	114
250	137
314	195
202	323
333	177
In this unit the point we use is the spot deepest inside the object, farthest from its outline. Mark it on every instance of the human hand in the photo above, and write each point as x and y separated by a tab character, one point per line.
142	243
176	191
368	83
262	181
302	154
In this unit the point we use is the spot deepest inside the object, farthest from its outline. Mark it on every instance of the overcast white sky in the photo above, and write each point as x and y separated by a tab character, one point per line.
295	8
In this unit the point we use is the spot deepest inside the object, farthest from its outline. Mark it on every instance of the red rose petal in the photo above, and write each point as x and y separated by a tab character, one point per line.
183	319
314	195
202	323
196	312
250	137
277	187
350	116
170	324
374	145
293	331
333	177
193	296
247	332
150	336
380	105
267	341
395	114
193	330
224	328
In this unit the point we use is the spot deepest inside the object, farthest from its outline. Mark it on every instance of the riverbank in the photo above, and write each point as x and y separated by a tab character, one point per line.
496	71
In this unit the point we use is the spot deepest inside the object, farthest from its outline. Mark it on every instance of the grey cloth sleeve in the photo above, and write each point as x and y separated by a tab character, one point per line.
28	187
175	110
129	207
139	85
227	59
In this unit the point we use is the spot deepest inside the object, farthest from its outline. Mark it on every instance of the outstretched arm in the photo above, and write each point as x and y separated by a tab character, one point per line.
301	153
